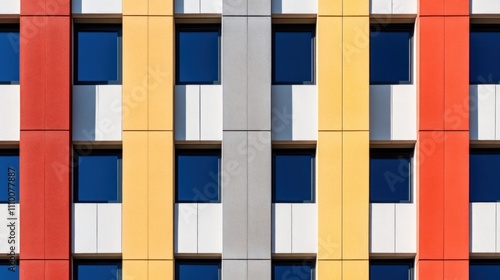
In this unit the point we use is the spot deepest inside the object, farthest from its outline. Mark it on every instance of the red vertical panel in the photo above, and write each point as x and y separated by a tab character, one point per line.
457	73
57	270
32	7
431	74
431	7
456	270
30	270
430	270
456	7
58	7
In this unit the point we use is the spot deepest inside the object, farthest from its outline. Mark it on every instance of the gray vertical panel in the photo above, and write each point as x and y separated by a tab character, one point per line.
259	73
234	195
234	7
260	270
234	76
259	195
259	7
235	270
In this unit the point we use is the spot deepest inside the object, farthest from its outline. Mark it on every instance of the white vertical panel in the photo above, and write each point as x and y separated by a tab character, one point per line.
85	228
210	228
404	112
187	112
401	7
10	7
304	228
294	7
10	112
406	228
483	227
382	231
305	112
109	113
211	112
482	112
380	112
186	227
109	228
381	7
211	6
485	7
96	6
187	6
84	112
282	228
5	231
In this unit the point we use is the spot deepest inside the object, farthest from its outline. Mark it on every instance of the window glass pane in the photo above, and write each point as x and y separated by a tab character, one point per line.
197	270
390	176
8	272
105	270
293	176
394	270
98	177
98	55
198	54
484	176
9	55
293	55
303	270
9	173
198	176
484	270
390	59
484	55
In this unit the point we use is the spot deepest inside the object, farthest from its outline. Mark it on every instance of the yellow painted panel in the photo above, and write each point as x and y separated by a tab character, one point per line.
161	7
329	178
329	270
135	73
355	270
161	78
329	73
161	195
135	195
161	270
356	78
135	7
135	270
355	192
356	7
330	7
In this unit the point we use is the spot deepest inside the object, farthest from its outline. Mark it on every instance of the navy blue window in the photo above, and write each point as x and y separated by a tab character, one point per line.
198	54
98	55
484	55
293	176
303	270
394	270
97	176
9	272
293	54
484	176
97	270
9	168
390	54
9	54
484	270
197	270
390	176
197	176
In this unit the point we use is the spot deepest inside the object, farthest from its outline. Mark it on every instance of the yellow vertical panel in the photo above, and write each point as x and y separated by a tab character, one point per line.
135	195
161	270
329	7
356	80
134	270
329	178
161	78
135	7
355	192
355	270
329	73
329	270
161	7
356	7
161	195
135	73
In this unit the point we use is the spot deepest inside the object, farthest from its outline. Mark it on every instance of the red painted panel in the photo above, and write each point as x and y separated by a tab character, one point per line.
431	195
59	270
431	73
58	73
29	270
32	7
431	7
456	7
457	73
456	197
32	177
456	270
33	57
45	7
430	270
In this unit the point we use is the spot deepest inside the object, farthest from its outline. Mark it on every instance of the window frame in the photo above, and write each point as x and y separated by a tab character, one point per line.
411	262
13	152
77	27
294	262
197	27
407	27
13	27
196	262
116	262
309	27
481	28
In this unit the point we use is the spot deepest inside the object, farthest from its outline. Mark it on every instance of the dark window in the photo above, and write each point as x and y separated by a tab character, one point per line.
293	176
197	270
484	54
97	270
198	178
98	55
484	175
8	272
198	54
293	54
303	270
9	54
97	176
394	270
9	166
390	176
484	270
390	54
